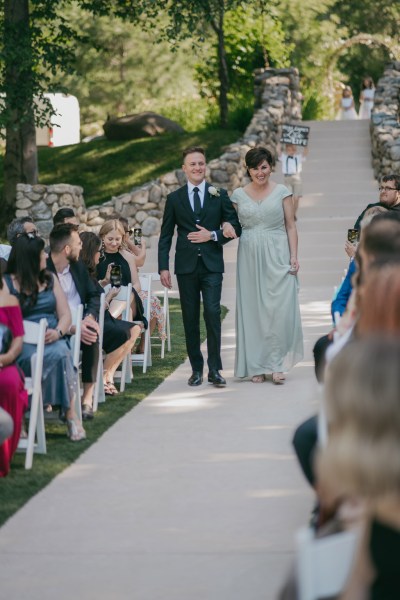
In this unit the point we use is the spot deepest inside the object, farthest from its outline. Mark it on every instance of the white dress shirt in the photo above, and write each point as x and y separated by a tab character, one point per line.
202	189
68	285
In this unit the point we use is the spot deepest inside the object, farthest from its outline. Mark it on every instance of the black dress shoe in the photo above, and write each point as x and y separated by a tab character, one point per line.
216	378
196	378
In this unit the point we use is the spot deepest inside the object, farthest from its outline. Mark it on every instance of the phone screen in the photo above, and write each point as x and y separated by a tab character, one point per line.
353	235
115	276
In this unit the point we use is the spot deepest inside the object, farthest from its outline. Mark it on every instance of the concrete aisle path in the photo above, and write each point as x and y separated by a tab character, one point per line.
196	494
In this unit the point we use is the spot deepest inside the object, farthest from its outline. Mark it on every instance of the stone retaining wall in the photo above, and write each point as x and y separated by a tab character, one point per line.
277	100
385	123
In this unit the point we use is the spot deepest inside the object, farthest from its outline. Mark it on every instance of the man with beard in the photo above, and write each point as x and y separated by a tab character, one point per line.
389	196
78	286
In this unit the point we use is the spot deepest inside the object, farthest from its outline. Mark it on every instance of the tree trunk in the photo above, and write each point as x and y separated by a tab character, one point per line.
20	160
222	71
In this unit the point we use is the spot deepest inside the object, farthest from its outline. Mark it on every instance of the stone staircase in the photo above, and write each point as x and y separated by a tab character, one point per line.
338	182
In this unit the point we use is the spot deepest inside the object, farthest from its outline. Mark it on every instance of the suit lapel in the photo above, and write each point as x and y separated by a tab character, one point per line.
206	199
184	198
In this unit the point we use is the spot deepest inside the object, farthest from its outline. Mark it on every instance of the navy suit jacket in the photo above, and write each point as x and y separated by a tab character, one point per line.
178	212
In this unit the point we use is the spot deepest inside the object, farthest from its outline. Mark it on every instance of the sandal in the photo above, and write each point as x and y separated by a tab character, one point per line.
76	433
110	389
278	378
258	378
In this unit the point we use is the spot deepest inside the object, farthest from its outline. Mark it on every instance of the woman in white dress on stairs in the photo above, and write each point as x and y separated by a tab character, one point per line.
367	98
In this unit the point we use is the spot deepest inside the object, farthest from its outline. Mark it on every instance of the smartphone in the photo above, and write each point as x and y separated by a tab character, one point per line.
115	276
137	236
353	235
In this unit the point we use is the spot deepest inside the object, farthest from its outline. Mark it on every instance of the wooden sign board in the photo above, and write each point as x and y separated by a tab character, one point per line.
295	134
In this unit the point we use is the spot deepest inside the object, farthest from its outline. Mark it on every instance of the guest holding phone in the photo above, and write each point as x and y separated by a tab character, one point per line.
119	336
112	234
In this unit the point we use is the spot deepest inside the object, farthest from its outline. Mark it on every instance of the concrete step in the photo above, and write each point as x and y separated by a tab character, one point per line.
324	225
320	278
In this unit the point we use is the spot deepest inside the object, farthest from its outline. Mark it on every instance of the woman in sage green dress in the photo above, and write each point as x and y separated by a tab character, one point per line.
269	336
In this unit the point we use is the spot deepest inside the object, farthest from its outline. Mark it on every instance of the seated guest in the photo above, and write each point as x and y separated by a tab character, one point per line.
157	318
361	460
139	252
112	234
40	296
119	336
389	196
16	228
79	288
13	397
65	215
380	242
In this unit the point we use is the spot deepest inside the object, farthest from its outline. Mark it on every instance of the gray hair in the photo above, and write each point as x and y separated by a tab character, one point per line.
16	228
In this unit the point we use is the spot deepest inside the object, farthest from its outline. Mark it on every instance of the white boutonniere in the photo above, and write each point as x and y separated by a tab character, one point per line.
213	191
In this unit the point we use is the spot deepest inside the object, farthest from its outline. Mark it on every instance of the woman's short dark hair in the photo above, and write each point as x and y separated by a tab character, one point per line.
63	213
24	264
256	156
91	244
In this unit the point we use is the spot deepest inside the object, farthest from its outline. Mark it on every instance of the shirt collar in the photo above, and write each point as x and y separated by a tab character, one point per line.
201	187
65	271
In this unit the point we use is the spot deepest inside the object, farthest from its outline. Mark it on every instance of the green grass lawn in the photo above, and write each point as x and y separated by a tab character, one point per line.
20	485
105	169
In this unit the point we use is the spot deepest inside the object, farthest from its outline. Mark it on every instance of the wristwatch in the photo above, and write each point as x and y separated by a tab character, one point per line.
60	333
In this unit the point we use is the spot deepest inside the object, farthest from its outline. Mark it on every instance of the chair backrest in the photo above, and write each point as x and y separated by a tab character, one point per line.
35	334
99	395
76	314
323	564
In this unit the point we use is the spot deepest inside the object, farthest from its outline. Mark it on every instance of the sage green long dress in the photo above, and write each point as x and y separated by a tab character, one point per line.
269	336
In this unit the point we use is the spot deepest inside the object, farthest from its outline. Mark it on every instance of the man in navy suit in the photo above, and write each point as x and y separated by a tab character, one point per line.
198	210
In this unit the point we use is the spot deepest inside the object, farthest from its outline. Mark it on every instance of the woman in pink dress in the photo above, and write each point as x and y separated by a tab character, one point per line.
13	397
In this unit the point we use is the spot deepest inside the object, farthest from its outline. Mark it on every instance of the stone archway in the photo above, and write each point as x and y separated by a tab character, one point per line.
367	39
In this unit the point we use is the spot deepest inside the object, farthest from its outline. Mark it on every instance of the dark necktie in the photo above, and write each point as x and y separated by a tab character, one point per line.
196	203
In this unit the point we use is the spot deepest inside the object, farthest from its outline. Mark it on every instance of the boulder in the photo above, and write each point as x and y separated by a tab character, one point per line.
145	124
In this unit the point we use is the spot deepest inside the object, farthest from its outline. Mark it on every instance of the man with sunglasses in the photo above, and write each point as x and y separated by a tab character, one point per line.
16	228
389	196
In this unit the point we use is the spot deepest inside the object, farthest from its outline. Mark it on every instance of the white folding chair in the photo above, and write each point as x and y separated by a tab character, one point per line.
145	358
77	314
35	334
124	298
99	395
323	564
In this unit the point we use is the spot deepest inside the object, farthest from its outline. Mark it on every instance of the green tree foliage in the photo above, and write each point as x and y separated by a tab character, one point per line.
373	17
254	38
121	69
196	20
37	42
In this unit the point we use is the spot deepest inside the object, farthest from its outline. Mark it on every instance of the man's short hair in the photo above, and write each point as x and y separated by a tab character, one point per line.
16	228
191	150
61	214
381	238
392	177
60	236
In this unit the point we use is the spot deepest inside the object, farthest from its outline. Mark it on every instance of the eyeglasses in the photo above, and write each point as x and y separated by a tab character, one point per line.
387	189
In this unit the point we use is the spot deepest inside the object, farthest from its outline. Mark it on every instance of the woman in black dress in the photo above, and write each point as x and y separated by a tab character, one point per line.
119	336
112	234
